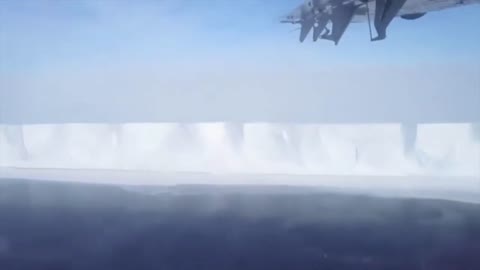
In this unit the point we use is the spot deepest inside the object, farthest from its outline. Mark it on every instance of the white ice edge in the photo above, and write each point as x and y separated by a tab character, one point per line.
248	148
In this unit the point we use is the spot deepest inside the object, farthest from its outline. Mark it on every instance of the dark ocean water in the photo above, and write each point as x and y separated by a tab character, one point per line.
47	225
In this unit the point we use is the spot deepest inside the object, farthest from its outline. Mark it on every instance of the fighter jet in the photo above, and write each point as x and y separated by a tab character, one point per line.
338	14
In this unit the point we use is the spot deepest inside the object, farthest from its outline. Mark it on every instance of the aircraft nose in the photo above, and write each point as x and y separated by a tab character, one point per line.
283	19
287	19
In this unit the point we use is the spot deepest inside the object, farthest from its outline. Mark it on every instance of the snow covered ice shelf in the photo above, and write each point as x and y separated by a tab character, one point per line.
433	150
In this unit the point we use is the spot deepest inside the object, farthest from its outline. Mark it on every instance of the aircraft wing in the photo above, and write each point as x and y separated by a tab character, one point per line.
341	16
413	7
306	27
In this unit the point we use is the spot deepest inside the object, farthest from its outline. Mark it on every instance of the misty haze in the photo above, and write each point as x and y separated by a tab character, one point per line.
253	134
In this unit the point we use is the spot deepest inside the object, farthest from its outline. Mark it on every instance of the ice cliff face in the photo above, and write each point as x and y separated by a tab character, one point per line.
440	149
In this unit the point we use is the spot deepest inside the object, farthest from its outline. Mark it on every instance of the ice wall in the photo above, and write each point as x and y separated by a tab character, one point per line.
440	149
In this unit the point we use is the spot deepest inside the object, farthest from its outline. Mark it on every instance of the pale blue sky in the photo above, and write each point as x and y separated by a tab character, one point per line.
75	61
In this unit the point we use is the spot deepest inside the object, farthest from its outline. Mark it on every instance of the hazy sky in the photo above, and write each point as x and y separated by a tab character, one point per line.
105	60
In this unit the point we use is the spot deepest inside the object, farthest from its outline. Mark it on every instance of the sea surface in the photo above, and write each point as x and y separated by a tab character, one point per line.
55	225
